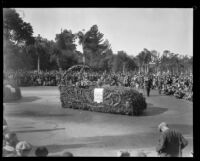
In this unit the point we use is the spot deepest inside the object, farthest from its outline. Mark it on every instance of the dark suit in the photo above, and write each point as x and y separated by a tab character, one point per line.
148	84
171	143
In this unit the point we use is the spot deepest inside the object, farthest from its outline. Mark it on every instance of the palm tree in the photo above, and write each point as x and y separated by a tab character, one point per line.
140	61
37	48
82	41
156	59
147	59
55	53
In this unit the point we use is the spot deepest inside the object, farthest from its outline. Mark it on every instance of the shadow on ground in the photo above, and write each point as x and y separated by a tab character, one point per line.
38	114
151	110
59	148
25	99
38	130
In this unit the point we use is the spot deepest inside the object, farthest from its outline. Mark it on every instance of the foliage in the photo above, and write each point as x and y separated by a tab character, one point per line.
123	62
15	29
118	100
93	46
23	51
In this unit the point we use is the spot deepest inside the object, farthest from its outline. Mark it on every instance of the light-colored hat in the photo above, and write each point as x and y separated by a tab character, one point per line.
23	145
161	125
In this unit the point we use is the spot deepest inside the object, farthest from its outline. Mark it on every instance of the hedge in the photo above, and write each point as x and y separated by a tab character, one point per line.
116	99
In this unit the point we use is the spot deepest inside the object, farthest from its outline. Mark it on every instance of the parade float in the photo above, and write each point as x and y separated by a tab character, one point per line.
11	91
84	94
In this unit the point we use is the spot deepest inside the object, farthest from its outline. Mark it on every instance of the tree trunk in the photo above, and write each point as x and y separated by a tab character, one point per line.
83	59
58	63
123	67
38	65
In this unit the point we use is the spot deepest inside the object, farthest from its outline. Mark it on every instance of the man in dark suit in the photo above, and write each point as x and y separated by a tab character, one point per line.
148	84
171	142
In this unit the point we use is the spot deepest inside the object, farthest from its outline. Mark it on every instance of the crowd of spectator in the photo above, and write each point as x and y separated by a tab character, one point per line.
34	78
180	86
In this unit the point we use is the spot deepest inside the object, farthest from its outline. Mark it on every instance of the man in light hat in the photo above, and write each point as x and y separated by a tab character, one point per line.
171	142
23	149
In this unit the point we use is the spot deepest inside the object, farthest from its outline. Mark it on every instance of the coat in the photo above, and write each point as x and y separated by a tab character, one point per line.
171	143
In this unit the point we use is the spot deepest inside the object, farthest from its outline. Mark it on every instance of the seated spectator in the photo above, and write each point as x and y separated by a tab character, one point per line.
23	149
179	94
124	154
41	152
11	141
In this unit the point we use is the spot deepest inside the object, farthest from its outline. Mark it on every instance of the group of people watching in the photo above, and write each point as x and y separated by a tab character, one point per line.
34	78
180	86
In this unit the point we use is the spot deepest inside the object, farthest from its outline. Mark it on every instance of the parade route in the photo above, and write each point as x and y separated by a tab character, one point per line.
39	119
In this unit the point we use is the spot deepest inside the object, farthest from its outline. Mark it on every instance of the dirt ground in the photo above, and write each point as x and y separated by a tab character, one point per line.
39	119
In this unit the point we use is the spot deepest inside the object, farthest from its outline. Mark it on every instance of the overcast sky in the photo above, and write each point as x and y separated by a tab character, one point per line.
128	29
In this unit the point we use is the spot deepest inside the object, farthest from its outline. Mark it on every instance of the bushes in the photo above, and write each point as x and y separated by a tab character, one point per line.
118	100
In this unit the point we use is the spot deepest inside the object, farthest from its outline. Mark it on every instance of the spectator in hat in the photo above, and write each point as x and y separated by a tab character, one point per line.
41	152
171	142
67	154
11	141
23	149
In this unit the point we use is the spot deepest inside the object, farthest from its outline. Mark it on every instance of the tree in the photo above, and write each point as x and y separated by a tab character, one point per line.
16	32
144	58
156	59
15	29
63	51
122	62
39	51
93	45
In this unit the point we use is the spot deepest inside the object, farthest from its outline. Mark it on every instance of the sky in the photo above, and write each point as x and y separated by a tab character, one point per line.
127	29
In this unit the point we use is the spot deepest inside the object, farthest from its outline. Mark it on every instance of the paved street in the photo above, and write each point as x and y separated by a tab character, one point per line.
39	119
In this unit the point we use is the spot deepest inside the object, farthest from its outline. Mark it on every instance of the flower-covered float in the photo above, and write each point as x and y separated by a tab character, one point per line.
77	92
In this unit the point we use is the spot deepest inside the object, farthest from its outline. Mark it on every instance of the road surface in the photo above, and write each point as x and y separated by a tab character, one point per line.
39	119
